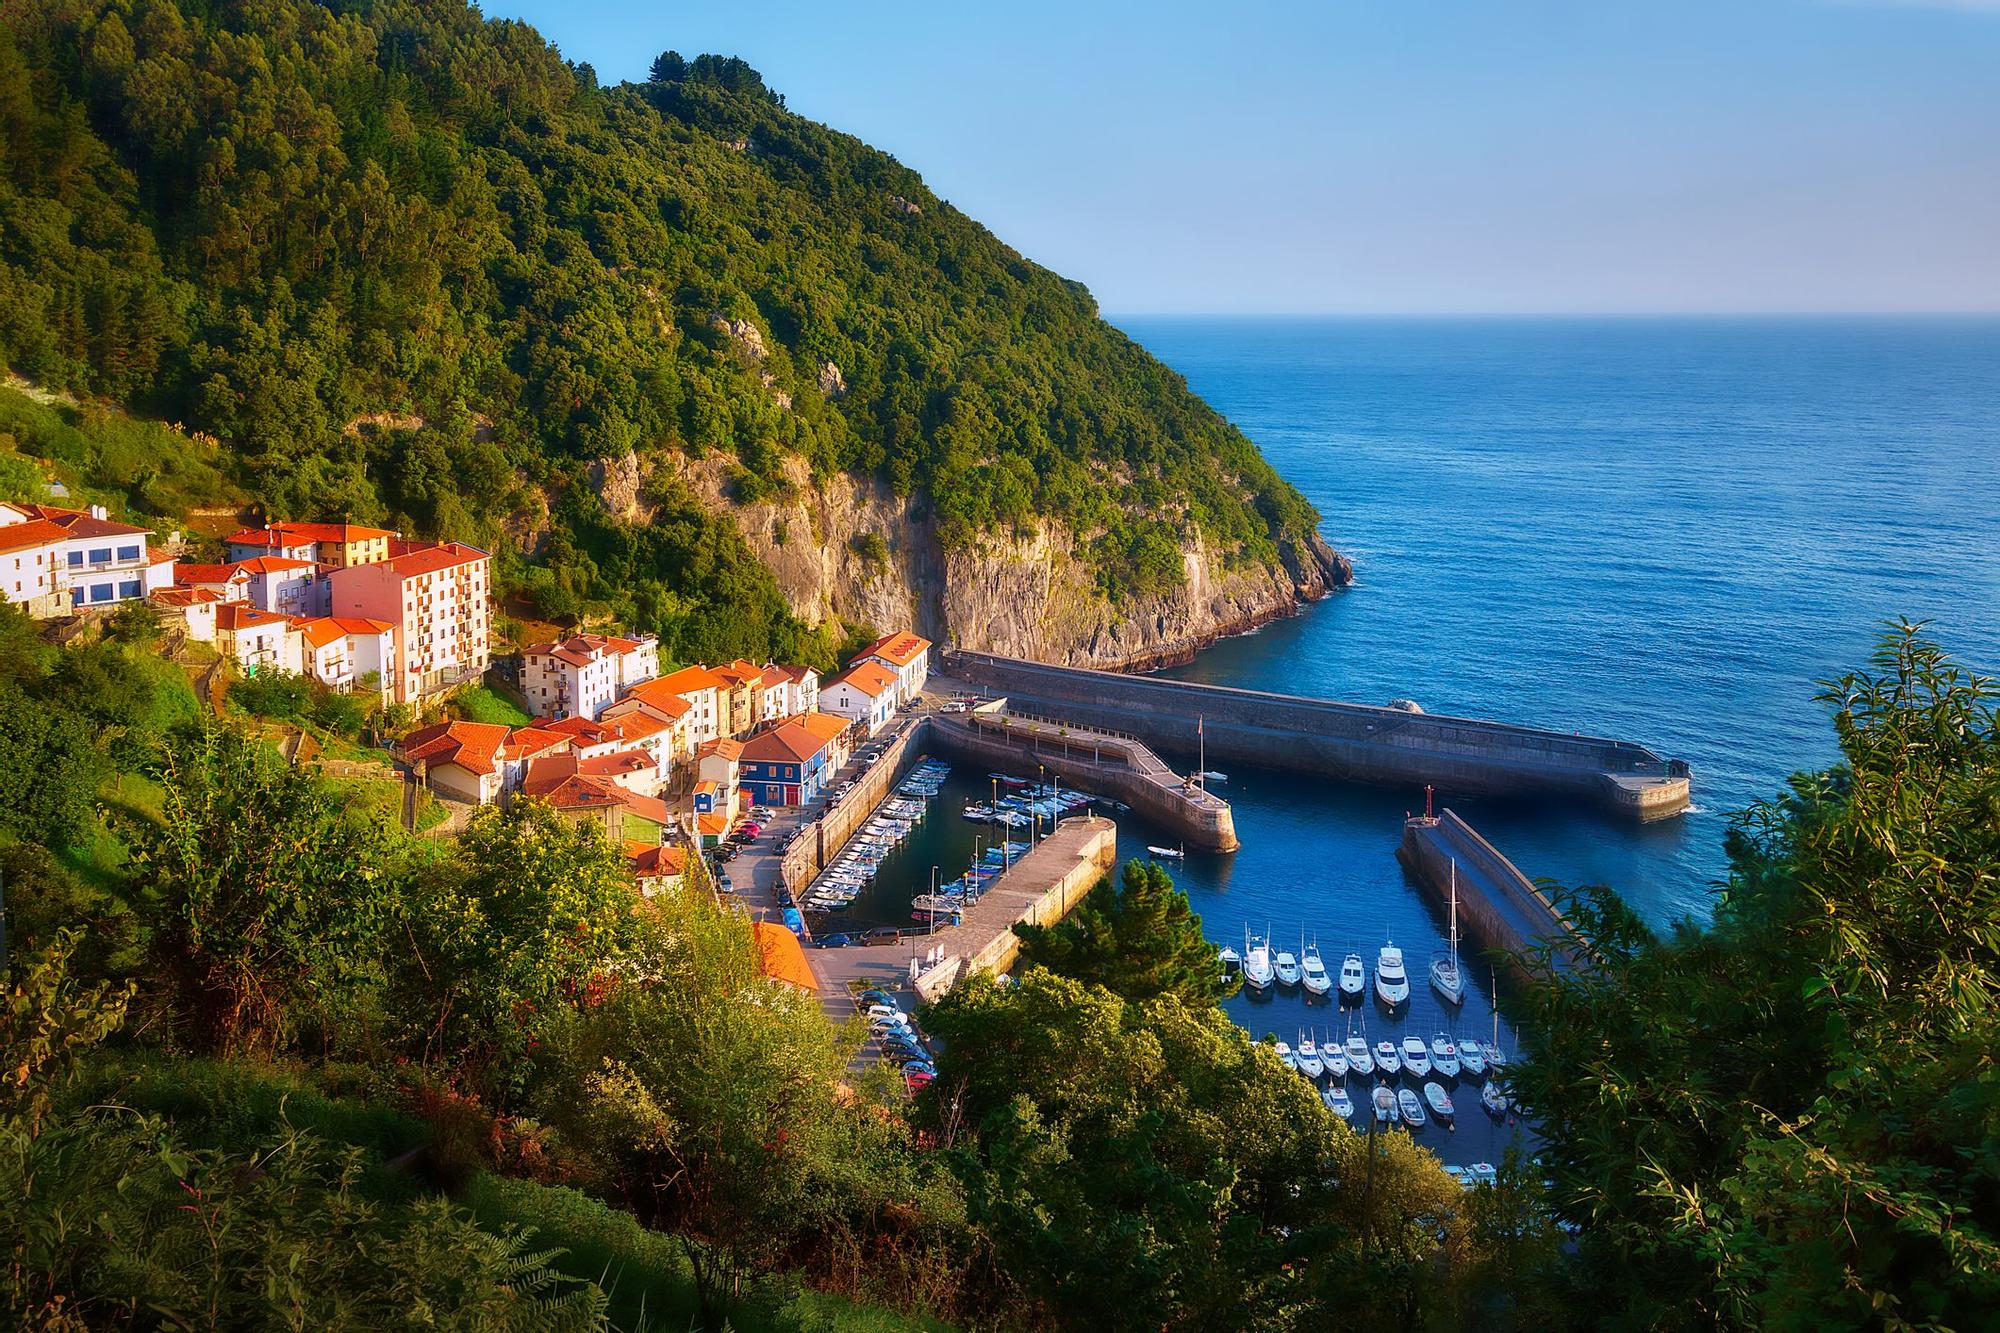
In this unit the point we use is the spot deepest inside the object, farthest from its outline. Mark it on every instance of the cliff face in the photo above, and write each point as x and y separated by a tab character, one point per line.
1029	596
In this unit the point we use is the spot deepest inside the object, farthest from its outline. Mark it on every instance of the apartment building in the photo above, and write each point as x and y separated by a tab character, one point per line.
95	562
580	675
335	545
865	693
435	595
907	655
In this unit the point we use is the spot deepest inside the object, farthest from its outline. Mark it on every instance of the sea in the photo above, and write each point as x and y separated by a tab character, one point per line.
1663	530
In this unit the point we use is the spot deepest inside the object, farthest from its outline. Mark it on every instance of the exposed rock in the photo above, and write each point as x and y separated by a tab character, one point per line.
377	423
902	205
749	339
832	384
617	482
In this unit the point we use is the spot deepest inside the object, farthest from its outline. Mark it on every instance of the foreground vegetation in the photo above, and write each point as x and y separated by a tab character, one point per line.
411	267
271	1063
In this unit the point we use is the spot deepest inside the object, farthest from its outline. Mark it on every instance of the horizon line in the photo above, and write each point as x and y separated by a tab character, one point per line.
1963	314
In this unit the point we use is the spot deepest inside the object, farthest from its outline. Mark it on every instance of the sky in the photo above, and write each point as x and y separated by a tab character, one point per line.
1410	156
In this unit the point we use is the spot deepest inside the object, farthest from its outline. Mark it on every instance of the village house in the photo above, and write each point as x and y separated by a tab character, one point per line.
230	583
578	676
865	693
289	587
257	641
791	762
190	610
479	762
435	595
334	545
96	562
702	690
801	689
716	798
656	868
591	791
341	652
649	700
636	731
905	654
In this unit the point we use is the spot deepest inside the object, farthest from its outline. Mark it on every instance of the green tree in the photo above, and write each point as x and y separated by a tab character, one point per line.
1791	1118
269	905
1138	937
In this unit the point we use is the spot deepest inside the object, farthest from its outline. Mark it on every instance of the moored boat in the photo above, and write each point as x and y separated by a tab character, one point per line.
1411	1107
1385	1102
1338	1102
1230	960
1473	1060
1284	1050
1307	1060
1287	968
1416	1057
1335	1060
1358	1058
1392	984
1446	978
1353	977
1312	971
1494	1100
1257	973
1166	853
1386	1059
1444	1055
1439	1099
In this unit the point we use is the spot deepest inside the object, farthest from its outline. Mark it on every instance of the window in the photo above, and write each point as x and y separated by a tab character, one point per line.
75	559
128	553
130	588
101	593
101	556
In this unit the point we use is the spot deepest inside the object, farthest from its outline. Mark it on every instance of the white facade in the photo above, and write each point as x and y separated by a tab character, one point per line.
861	698
581	675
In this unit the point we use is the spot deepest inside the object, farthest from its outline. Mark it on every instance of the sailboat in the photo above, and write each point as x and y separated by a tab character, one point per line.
1496	1059
1446	979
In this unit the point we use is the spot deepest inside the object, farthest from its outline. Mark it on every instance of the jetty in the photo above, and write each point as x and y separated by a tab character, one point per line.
1502	907
1348	742
1103	763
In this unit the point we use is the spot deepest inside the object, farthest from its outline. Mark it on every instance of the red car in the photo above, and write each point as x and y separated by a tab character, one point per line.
916	1080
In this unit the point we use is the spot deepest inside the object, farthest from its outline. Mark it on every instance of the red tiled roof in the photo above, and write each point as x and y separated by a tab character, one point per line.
77	523
686	680
825	725
418	558
523	742
659	695
781	957
582	649
183	596
723	746
901	648
35	532
319	631
233	616
788	742
299	534
472	746
871	678
654	862
272	564
189	575
616	764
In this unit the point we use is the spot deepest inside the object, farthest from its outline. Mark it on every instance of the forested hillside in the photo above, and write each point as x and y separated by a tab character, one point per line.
413	267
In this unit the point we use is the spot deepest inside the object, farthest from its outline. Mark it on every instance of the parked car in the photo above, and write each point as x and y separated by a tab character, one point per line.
879	997
835	941
882	935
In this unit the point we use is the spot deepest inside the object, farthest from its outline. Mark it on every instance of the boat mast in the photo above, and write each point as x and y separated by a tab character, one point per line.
1454	918
1201	752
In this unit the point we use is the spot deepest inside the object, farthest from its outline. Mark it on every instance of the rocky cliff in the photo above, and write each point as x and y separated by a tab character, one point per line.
850	548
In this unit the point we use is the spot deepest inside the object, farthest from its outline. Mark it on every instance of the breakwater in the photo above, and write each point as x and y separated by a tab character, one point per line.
1498	905
1348	742
1102	763
825	836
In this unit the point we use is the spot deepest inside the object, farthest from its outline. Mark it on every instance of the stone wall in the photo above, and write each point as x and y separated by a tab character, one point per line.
825	836
1499	908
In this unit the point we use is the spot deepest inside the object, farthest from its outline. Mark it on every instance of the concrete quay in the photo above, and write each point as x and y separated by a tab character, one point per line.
1102	763
1039	888
1349	742
1498	906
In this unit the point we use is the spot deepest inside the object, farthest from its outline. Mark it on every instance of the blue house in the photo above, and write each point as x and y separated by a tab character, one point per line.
792	762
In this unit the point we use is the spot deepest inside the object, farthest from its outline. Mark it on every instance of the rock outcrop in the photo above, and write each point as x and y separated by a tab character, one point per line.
1031	596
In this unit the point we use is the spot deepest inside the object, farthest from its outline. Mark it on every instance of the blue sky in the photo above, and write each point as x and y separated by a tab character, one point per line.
1411	156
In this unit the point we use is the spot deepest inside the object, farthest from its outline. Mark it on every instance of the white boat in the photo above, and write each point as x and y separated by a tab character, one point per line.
1473	1060
1312	971
1256	963
1444	1055
1392	984
1385	1102
1284	1050
1439	1099
1307	1060
1287	967
1353	977
1416	1057
1166	853
1335	1060
1494	1100
1386	1059
1446	979
1230	960
1210	775
1412	1108
1338	1102
1482	1173
1495	1057
1358	1058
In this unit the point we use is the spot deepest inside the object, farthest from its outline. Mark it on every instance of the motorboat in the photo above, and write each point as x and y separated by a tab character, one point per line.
1385	1103
1210	775
1358	1058
1446	978
1284	1050
1439	1099
1472	1059
1483	1173
1392	984
1444	1055
1494	1100
1412	1108
1307	1060
1166	853
1257	974
1338	1102
1386	1059
1495	1057
1335	1060
1230	960
1353	977
1313	975
1287	968
1416	1057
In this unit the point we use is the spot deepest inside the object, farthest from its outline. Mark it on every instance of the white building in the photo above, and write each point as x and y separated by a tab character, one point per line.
578	676
341	652
907	655
97	562
864	693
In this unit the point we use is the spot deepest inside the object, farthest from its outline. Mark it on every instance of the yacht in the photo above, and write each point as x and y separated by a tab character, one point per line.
1413	1109
1444	1055
1494	1100
1472	1059
1386	1059
1335	1060
1353	977
1446	979
1385	1103
1358	1058
1256	963
1338	1102
1439	1099
1307	1060
1416	1057
1284	1051
1288	968
1495	1057
1313	971
1392	984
